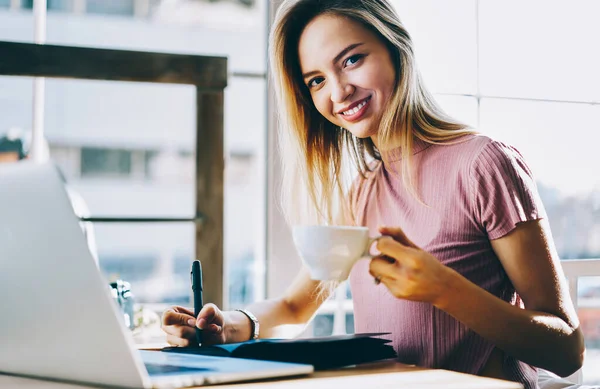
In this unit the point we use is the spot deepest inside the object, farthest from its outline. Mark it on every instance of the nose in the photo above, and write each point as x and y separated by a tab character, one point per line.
341	89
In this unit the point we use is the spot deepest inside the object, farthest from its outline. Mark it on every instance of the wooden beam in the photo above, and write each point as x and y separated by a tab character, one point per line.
210	168
26	59
208	74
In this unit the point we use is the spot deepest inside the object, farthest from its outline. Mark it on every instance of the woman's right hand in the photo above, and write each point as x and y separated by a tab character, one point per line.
180	325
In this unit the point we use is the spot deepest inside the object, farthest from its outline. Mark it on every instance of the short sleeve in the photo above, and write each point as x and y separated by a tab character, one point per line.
504	190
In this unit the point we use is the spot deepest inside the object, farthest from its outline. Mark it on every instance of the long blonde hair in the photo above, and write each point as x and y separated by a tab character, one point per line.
312	148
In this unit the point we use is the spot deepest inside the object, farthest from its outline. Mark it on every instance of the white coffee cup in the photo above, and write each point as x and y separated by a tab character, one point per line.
329	252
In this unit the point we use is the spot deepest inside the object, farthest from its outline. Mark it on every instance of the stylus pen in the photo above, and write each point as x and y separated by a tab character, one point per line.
197	294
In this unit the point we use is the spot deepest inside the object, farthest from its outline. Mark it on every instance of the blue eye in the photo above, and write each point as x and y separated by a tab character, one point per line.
353	59
315	82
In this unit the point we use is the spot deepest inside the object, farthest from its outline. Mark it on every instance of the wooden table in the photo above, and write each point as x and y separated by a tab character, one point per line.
381	375
386	375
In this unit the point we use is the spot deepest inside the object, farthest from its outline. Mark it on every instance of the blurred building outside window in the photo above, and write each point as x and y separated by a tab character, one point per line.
129	149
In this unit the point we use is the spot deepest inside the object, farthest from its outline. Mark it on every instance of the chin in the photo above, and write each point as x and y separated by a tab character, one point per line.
362	133
362	129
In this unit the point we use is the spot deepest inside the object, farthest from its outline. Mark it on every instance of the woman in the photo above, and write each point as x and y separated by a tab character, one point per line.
470	278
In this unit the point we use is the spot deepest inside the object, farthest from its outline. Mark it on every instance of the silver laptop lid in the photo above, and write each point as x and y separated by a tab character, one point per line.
48	278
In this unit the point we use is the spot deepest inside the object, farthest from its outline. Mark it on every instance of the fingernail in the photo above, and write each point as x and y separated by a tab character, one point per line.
192	322
201	323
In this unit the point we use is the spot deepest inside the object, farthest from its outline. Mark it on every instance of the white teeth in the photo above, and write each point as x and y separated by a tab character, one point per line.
355	109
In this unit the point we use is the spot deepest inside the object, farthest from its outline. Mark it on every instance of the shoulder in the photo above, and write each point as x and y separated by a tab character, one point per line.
498	173
502	188
494	157
479	153
471	145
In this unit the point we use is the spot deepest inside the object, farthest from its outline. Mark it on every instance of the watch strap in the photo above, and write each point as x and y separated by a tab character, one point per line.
255	324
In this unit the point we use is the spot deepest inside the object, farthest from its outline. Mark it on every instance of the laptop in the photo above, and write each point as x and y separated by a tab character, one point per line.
59	321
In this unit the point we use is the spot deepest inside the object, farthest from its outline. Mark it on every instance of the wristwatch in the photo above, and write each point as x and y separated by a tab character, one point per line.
254	321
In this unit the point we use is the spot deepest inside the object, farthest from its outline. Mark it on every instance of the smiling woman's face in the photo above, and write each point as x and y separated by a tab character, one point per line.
348	71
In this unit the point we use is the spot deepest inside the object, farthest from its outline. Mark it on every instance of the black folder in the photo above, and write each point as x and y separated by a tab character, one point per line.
323	353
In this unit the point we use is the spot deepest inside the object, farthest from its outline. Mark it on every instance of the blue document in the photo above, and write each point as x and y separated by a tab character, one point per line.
323	353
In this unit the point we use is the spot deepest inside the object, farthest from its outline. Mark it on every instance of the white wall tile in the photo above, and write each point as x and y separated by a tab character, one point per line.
540	49
559	140
444	33
463	108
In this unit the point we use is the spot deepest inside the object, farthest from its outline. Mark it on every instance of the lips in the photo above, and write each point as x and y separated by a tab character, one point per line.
355	110
354	105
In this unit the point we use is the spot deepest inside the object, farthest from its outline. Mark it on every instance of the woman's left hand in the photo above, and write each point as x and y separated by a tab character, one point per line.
406	270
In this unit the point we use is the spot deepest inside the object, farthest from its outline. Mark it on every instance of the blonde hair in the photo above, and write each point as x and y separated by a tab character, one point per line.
314	165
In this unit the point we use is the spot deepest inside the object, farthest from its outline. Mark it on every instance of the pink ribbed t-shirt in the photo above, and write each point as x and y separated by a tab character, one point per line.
476	191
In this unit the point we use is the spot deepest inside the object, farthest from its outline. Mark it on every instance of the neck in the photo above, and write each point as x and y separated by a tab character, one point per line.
392	143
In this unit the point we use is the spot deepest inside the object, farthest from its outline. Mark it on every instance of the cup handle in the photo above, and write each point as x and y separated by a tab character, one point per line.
367	252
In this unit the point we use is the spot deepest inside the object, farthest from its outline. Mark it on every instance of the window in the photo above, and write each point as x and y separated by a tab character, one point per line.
589	314
527	100
101	7
132	269
323	324
53	5
110	7
103	162
133	164
129	148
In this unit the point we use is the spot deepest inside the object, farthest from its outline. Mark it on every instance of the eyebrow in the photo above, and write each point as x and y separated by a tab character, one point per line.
336	59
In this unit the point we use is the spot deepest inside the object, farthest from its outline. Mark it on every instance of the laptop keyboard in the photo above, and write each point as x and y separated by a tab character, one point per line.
158	369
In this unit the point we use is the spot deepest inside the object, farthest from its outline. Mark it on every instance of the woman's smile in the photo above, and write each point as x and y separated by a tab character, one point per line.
356	110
